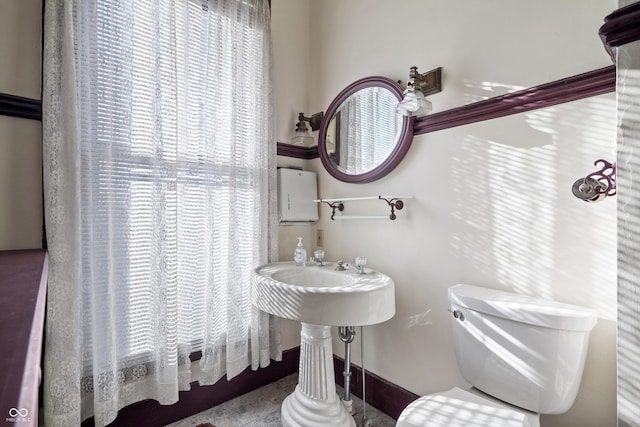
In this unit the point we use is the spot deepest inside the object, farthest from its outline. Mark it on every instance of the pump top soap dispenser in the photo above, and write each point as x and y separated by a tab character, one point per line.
300	254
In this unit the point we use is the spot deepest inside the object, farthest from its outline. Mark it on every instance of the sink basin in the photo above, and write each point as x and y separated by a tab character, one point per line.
322	295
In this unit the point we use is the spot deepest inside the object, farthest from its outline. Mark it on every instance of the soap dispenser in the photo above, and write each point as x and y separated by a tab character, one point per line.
300	254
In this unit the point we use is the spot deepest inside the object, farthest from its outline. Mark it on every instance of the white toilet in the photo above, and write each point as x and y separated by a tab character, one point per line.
523	356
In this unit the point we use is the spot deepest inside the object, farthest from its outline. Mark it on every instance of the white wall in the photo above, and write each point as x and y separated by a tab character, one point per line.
492	201
20	139
291	57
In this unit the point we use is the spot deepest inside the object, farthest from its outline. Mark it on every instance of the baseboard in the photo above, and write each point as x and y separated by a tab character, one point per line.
150	413
381	394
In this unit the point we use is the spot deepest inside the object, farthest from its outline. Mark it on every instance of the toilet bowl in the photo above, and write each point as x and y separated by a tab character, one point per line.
523	356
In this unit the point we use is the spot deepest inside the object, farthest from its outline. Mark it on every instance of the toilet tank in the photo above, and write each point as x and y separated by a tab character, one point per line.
526	351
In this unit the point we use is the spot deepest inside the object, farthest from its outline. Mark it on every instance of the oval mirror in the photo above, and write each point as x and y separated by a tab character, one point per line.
362	136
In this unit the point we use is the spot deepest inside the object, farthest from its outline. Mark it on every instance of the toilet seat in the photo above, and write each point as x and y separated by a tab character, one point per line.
464	408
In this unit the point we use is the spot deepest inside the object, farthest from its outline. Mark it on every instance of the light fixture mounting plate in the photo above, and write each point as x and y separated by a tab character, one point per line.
429	82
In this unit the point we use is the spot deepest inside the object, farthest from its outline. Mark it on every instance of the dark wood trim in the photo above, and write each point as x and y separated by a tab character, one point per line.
592	83
381	394
305	153
17	106
150	413
621	27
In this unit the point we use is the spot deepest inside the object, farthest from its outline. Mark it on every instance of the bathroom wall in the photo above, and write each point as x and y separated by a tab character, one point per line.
492	202
20	139
291	50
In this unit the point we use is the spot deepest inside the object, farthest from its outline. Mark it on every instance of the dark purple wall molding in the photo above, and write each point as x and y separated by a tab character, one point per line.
18	106
581	86
381	394
305	153
621	27
150	413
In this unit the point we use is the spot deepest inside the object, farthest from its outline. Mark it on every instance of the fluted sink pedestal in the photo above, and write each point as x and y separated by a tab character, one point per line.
315	403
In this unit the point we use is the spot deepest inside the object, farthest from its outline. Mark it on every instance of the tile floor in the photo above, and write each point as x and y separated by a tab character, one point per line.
261	408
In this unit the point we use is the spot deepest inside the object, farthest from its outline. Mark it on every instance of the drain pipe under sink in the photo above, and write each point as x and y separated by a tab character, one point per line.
347	334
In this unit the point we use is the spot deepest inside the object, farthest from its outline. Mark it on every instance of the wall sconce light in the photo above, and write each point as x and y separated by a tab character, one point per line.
301	136
419	85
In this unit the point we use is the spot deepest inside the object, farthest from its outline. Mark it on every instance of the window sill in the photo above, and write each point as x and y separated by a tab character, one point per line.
23	284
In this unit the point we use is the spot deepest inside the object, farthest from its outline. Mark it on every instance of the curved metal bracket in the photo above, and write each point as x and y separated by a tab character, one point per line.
606	178
334	206
394	204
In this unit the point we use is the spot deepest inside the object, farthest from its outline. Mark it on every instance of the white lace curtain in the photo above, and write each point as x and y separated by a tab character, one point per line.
159	166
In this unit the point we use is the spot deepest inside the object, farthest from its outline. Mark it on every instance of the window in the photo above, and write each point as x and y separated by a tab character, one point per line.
169	168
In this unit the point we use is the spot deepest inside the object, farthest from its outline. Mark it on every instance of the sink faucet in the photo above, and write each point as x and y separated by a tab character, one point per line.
359	265
318	256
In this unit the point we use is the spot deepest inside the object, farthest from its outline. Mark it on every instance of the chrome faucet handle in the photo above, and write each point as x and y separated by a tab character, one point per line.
340	266
318	256
360	263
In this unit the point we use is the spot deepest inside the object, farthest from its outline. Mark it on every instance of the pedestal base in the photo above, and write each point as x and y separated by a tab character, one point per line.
299	410
315	403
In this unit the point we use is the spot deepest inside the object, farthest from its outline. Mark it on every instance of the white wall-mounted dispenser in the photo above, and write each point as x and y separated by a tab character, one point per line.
297	190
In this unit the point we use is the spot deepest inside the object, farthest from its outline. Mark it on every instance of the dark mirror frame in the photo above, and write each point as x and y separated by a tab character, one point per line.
402	146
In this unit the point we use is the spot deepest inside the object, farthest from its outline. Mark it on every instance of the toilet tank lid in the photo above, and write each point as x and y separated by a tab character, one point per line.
523	308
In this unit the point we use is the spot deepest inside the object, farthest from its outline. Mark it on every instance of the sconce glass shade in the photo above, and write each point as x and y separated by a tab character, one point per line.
414	103
301	136
302	140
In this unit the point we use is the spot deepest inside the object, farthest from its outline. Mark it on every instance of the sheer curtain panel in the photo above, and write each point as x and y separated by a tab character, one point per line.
159	169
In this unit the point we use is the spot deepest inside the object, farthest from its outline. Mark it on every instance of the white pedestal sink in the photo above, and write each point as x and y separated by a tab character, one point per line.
320	297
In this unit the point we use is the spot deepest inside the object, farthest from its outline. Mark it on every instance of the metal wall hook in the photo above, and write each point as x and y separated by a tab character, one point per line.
597	185
606	177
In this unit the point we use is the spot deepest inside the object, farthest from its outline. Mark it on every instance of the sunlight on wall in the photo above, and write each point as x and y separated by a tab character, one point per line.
628	236
522	225
479	91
